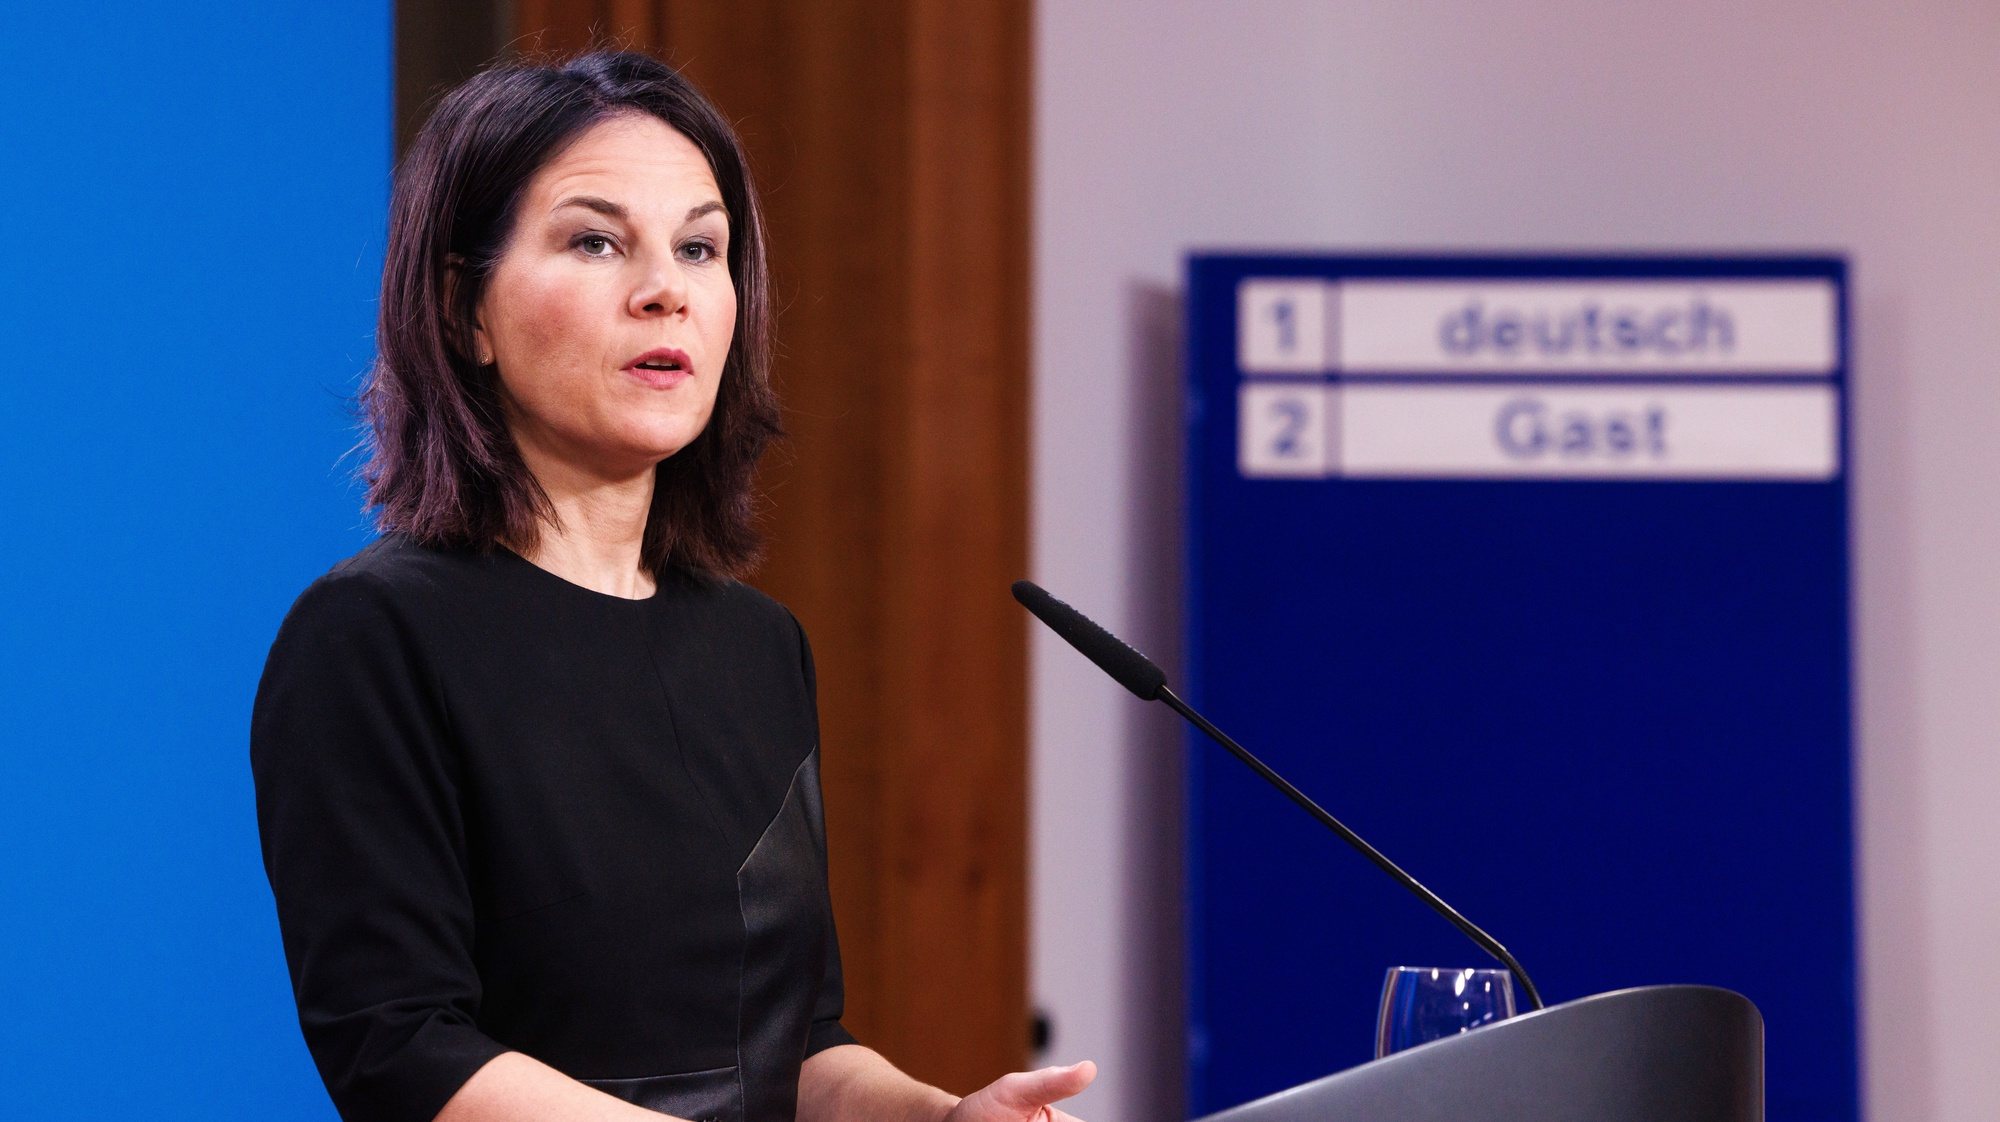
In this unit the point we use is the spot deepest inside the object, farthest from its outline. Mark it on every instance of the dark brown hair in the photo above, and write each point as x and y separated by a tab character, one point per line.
442	467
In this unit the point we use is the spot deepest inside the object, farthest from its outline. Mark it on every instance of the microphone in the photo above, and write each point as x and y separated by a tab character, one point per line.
1148	682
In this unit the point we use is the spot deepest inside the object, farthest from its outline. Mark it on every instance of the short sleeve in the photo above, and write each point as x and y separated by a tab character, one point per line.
364	843
829	1004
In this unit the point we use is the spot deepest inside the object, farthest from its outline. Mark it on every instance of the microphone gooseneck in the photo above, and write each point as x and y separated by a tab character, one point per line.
1144	678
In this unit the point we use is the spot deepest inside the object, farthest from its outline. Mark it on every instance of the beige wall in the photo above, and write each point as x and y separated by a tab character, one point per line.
1871	128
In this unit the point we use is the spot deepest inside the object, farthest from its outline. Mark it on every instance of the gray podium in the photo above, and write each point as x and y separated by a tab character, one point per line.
1657	1054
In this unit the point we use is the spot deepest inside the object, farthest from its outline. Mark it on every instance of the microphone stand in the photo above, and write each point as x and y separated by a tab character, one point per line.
1471	930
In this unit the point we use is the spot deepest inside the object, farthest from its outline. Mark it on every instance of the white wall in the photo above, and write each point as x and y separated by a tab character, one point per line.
1871	128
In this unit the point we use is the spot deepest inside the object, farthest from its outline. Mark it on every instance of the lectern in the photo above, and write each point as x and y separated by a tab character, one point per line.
1655	1054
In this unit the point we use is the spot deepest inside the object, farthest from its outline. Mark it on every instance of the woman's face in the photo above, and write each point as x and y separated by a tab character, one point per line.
611	310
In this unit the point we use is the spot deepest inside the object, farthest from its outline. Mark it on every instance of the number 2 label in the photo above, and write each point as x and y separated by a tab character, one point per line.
1282	430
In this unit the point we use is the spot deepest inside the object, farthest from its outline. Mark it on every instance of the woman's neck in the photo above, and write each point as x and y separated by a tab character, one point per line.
599	531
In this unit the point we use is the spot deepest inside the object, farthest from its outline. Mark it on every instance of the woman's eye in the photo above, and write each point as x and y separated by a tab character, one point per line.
698	251
593	245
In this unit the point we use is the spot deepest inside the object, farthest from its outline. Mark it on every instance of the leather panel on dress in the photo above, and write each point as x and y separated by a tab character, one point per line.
781	889
714	1095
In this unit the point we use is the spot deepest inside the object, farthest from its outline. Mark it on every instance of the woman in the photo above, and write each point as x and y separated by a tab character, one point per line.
537	779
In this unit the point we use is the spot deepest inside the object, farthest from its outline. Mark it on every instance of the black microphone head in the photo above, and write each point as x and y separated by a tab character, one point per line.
1128	667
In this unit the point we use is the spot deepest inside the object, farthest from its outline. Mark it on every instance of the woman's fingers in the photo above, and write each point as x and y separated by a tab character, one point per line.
1025	1095
1029	1091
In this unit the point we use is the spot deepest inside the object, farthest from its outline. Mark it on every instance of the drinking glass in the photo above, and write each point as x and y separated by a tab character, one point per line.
1424	1003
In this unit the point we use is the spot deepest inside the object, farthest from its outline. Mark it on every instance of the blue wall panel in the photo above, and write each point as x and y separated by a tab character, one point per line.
1607	719
193	208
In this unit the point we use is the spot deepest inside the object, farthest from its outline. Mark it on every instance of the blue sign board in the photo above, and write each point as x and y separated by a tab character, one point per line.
1534	571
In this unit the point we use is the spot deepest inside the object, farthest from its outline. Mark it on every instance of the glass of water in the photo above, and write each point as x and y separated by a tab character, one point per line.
1425	1003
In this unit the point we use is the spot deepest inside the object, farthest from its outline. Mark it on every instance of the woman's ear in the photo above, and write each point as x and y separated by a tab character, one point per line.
467	338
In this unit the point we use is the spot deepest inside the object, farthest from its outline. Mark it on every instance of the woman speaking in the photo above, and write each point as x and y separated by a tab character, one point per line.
537	778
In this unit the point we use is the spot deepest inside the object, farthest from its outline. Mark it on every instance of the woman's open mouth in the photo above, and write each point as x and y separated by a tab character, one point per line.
661	368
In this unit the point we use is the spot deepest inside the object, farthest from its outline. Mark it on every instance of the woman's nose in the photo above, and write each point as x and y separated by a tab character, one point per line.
662	292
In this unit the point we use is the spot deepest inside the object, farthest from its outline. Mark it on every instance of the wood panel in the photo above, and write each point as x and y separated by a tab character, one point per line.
891	142
440	43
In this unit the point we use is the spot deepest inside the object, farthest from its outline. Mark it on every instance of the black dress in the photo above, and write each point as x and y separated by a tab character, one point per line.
503	812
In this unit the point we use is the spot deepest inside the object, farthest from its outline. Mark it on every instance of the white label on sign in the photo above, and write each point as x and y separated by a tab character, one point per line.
1597	327
1281	326
1282	429
1666	432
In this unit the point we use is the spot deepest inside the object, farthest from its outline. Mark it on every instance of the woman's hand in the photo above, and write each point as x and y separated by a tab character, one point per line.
1025	1096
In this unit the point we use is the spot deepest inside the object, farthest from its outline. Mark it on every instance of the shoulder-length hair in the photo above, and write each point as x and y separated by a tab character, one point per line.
442	466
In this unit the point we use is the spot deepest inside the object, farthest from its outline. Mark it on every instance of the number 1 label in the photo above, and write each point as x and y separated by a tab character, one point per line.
1281	326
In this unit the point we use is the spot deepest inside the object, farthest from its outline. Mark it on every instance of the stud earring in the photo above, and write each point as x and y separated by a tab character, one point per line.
485	359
